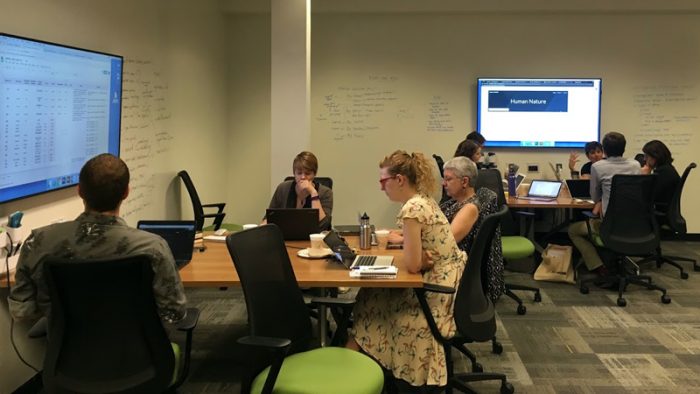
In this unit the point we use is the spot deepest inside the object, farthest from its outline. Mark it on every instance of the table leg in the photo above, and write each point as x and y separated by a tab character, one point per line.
323	320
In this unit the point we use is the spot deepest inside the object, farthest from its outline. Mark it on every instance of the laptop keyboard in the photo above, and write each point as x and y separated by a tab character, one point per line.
365	260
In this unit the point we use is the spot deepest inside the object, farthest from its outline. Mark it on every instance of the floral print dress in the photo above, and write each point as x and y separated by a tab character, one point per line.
389	324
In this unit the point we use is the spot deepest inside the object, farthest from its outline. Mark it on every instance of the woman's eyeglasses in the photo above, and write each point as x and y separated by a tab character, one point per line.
384	180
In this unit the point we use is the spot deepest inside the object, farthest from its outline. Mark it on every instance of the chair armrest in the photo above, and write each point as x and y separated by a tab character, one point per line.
190	321
39	329
525	213
589	214
433	288
219	205
331	301
265	342
420	294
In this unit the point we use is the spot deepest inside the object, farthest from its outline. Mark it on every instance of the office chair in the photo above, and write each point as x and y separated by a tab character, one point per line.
325	181
440	164
474	312
104	331
279	322
514	246
628	229
198	207
672	221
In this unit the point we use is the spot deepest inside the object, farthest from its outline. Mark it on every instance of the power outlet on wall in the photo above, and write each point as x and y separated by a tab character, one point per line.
533	168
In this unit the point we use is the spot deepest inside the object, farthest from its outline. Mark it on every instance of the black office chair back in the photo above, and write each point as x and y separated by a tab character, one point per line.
274	301
440	164
105	334
194	197
673	215
629	226
325	181
474	312
491	179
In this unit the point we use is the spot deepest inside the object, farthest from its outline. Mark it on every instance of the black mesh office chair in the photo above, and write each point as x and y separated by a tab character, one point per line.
279	321
474	312
198	207
672	222
628	229
105	334
514	245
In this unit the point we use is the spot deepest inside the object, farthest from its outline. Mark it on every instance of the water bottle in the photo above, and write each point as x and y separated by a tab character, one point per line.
365	232
511	184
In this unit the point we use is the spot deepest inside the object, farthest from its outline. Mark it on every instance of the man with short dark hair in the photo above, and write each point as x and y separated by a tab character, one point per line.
594	153
98	232
602	173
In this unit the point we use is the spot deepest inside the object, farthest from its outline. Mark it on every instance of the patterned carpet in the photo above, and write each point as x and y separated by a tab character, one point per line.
568	343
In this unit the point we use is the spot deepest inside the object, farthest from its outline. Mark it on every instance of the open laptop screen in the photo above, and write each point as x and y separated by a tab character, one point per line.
296	223
541	188
179	234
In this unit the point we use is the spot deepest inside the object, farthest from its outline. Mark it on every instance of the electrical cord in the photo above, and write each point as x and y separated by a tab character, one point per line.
11	251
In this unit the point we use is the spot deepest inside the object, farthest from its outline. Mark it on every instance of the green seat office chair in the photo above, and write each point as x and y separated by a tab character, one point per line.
104	332
628	229
474	312
514	246
279	322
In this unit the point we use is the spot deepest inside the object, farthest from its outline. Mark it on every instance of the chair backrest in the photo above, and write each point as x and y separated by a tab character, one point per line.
474	312
440	164
273	299
105	334
194	197
491	179
325	181
674	218
629	226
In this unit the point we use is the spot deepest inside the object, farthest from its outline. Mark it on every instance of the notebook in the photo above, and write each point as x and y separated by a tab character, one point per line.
179	234
350	260
579	188
542	190
296	223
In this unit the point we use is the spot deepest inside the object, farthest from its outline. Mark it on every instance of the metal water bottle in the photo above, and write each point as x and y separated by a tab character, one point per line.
511	184
365	232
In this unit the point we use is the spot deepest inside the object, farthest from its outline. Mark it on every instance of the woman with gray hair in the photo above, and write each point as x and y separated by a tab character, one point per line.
466	210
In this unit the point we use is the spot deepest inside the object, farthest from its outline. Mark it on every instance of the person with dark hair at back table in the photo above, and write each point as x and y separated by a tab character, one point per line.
658	159
477	138
469	149
602	173
303	192
594	153
98	232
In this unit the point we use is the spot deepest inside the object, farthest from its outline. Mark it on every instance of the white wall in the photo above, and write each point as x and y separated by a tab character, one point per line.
175	77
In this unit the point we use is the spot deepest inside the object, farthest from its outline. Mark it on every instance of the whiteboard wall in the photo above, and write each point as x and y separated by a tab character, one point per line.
408	81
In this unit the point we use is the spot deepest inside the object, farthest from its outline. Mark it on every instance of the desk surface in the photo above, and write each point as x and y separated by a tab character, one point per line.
560	202
214	268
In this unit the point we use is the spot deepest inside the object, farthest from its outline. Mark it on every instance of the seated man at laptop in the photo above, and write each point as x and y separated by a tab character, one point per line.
303	192
602	173
98	232
594	153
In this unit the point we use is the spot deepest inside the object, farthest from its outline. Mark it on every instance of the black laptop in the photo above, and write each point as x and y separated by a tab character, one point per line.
296	223
179	234
579	188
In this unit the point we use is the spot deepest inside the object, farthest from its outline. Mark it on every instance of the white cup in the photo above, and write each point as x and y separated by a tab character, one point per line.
382	238
316	248
249	226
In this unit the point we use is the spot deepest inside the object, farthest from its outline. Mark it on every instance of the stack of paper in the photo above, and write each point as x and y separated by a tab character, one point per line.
378	272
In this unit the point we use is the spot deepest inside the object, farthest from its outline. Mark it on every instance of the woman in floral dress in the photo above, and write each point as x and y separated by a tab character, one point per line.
389	324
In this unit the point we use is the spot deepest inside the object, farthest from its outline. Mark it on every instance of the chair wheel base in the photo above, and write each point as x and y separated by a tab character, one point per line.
538	297
584	290
665	299
507	388
496	348
477	368
684	275
522	310
621	302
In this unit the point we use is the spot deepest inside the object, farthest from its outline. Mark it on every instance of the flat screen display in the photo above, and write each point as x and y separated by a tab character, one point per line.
538	112
59	106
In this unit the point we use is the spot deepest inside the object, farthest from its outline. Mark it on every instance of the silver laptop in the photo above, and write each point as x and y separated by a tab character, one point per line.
350	259
541	190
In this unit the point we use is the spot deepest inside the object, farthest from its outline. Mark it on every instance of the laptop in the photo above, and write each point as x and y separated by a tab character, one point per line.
350	260
579	188
179	234
296	223
349	229
519	178
542	190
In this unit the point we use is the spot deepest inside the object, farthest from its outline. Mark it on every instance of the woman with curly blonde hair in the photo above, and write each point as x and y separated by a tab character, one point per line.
389	324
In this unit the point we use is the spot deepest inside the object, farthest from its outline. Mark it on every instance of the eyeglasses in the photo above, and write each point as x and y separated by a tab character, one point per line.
384	180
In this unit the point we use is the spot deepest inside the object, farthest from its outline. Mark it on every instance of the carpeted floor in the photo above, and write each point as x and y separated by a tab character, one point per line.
568	343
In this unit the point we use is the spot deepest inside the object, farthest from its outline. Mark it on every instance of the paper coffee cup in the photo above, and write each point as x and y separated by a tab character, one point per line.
382	238
249	226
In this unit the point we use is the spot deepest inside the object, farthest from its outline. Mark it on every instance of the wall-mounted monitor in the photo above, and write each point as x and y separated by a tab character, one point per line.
538	112
59	106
